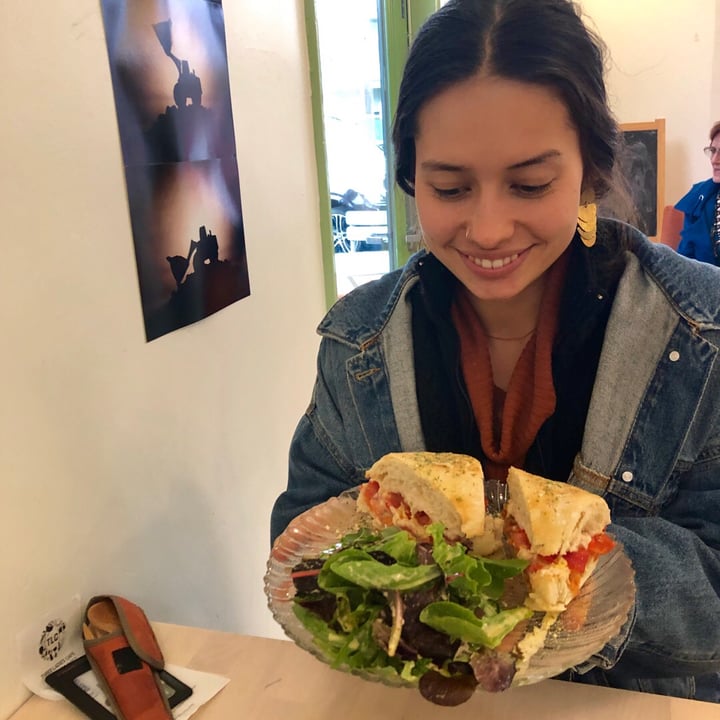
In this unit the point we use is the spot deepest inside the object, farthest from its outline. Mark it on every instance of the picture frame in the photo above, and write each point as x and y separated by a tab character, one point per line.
641	161
76	682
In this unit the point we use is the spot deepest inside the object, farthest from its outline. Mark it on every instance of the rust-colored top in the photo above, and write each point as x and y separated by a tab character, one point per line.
508	422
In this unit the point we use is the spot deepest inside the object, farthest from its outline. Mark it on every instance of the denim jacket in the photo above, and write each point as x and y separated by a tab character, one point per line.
651	448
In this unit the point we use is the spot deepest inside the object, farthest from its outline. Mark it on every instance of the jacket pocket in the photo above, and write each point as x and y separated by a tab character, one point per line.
622	494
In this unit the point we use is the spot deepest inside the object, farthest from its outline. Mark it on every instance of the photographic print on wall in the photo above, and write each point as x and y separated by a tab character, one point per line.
168	63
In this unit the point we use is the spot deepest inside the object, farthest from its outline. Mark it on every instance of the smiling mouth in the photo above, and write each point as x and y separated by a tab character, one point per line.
496	264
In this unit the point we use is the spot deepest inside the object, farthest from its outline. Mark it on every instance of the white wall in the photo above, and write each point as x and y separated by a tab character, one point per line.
147	470
664	64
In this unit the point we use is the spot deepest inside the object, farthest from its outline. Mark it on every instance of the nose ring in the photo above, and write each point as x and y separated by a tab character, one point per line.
467	232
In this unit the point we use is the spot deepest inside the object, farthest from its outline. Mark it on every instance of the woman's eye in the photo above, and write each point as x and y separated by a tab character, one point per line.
449	193
531	190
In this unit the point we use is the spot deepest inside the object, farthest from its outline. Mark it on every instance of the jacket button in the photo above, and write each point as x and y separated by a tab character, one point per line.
627	476
674	356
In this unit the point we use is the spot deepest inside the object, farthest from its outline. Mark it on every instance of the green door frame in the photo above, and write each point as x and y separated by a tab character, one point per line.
316	104
399	20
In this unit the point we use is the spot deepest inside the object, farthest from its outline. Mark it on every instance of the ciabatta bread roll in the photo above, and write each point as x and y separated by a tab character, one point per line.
410	490
560	528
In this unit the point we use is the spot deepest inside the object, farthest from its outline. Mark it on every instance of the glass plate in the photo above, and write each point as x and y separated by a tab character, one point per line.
593	618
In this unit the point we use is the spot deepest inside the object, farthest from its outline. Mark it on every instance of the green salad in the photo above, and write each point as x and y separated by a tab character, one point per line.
426	612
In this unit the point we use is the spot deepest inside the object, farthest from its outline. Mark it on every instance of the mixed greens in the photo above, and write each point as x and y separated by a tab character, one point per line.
427	612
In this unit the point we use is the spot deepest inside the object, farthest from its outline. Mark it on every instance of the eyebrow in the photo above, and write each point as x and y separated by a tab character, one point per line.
537	160
439	166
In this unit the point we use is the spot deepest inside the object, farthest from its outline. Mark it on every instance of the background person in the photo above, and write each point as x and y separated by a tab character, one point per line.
527	333
700	234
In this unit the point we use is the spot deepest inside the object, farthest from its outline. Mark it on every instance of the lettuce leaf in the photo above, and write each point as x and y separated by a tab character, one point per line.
462	624
369	566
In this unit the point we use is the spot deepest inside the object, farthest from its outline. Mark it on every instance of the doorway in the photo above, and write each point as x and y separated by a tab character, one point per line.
357	50
353	118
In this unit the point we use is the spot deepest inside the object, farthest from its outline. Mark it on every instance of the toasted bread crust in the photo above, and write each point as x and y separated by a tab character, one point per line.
448	487
556	517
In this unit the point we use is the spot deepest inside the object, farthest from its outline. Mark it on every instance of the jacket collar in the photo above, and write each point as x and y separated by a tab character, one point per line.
357	319
689	286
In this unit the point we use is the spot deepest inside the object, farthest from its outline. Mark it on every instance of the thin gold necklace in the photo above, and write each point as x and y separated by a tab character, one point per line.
509	339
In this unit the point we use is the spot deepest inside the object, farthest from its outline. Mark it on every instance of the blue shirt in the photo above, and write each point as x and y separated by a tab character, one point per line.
696	237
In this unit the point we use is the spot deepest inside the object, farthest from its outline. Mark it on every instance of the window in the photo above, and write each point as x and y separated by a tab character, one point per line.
357	48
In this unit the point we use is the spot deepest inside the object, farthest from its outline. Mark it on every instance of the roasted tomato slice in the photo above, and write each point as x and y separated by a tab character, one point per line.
516	536
577	559
601	543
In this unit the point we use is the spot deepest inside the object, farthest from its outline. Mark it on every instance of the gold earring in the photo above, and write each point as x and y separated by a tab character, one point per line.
587	223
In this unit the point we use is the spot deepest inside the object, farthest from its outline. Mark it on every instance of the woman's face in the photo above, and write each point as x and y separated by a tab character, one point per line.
715	159
498	178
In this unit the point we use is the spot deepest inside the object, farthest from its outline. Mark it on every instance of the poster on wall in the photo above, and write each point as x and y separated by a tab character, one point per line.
169	69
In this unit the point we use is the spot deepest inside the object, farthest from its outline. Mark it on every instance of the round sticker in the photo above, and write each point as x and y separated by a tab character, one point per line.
52	640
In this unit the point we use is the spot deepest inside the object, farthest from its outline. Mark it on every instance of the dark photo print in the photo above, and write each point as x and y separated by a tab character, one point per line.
169	68
168	64
189	241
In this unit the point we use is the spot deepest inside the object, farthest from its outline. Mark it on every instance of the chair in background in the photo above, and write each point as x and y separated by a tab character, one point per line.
672	222
339	233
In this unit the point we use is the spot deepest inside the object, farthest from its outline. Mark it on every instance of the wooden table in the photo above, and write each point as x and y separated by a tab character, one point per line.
275	680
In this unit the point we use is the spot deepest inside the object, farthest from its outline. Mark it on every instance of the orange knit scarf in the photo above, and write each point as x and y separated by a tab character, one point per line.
508	425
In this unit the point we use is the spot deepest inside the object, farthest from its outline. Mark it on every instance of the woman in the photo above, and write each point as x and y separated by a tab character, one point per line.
700	235
528	334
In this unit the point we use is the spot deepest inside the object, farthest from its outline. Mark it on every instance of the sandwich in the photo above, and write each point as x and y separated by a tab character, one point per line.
560	530
412	490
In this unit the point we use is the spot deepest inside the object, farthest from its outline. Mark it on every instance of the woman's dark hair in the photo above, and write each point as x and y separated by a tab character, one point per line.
543	42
